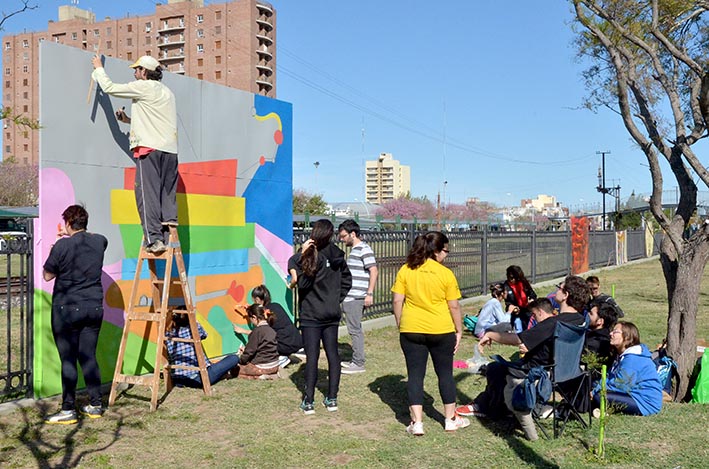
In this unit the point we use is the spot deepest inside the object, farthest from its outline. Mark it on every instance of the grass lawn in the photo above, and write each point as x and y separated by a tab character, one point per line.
258	424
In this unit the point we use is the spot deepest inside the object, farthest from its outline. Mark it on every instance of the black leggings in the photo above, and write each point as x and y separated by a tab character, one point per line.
75	330
416	348
311	342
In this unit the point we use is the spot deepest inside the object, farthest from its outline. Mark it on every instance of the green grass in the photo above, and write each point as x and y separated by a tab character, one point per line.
257	424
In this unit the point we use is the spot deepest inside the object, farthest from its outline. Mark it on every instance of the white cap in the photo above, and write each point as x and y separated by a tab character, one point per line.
147	62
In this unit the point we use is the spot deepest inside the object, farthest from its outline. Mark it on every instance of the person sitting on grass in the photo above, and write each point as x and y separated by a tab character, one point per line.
492	317
632	384
183	354
287	335
602	316
259	359
594	284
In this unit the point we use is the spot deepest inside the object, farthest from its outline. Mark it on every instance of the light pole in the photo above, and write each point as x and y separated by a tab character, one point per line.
614	191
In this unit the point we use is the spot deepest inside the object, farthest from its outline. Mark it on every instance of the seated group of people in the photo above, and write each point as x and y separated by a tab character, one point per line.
272	338
633	386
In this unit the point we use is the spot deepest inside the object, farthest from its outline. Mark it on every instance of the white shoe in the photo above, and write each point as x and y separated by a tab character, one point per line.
455	423
283	361
546	411
415	428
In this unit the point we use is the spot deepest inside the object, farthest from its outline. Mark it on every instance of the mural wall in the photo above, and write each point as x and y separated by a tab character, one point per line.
234	201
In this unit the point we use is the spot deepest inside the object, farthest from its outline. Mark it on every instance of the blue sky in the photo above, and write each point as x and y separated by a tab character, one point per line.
499	85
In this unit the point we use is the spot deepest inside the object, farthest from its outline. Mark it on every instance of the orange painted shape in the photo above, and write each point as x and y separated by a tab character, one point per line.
205	284
208	178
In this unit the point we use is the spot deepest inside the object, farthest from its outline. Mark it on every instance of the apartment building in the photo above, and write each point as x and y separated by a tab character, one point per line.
232	44
386	179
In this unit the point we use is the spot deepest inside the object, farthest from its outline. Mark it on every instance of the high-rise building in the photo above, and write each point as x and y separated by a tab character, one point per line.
232	44
386	179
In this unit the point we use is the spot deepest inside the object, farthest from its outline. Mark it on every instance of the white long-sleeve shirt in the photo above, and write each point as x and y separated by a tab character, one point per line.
153	112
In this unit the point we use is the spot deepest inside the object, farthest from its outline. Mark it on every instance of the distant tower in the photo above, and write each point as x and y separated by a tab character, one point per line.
386	179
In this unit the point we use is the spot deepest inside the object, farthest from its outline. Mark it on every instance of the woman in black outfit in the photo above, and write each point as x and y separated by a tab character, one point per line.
75	264
323	281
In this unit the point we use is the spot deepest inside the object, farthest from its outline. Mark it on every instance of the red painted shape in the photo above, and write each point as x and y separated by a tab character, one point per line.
262	160
278	137
236	292
209	177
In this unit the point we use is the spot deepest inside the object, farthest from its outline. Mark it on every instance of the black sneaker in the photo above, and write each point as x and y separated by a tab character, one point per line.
307	407
63	417
330	404
92	411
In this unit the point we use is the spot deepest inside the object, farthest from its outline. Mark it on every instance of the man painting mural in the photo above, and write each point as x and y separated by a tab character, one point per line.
153	140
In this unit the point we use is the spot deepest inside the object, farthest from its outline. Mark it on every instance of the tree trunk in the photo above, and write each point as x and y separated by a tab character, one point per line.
683	277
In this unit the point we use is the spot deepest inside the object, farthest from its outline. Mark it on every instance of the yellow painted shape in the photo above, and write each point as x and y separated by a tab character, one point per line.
271	115
192	209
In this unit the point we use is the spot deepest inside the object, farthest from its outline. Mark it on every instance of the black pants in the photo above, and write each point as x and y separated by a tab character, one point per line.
155	192
311	342
416	348
492	400
75	330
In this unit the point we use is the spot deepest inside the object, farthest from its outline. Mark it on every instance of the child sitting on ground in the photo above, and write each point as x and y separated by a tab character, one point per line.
259	359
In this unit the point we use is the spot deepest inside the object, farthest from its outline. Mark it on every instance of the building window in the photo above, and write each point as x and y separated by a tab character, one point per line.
200	47
7	84
97	33
25	56
7	70
217	30
25	68
182	51
129	55
218	75
217	44
25	134
26	147
200	62
24	82
25	43
129	28
26	95
200	76
218	59
25	108
182	22
109	31
148	39
109	45
7	46
218	14
8	136
165	24
129	41
200	18
147	52
148	26
200	33
7	148
73	36
40	40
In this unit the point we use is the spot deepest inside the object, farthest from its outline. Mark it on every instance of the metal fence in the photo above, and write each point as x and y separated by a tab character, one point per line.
16	302
478	258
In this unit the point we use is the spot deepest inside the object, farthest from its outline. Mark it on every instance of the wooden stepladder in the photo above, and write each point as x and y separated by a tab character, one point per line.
160	312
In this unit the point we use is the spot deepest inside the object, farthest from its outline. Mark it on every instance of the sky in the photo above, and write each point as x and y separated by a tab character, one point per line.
478	99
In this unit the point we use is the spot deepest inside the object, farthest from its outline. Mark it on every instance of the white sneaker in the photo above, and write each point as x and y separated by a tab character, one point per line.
455	423
415	428
283	361
346	364
546	411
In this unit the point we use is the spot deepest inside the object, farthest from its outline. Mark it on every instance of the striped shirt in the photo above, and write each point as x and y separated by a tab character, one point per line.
360	260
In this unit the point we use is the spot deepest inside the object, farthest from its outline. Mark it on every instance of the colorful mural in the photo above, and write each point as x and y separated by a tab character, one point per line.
234	202
579	245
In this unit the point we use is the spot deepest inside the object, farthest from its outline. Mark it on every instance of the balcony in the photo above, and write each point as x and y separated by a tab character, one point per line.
264	70
264	55
169	28
265	25
264	9
264	85
263	39
171	42
169	58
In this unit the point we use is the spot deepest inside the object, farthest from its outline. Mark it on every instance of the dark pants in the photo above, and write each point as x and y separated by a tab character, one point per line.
492	400
215	371
623	402
75	330
416	348
155	193
311	342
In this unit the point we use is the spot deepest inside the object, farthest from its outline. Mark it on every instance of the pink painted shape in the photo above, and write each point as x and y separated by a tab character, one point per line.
56	193
279	249
111	274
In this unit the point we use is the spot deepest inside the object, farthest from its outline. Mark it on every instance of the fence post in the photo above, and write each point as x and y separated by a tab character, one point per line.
483	261
534	255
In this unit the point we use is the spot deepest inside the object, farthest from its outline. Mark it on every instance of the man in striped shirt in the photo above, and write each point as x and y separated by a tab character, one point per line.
363	267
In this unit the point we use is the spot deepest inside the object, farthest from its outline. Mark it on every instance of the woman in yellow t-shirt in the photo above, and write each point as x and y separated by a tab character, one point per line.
427	312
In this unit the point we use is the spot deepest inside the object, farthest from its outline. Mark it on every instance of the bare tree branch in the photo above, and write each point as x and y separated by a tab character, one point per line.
25	7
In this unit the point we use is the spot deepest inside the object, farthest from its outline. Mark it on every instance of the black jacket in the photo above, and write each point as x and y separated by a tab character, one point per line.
510	296
319	297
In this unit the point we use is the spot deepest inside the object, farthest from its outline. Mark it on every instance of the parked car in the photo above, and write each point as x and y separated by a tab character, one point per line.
12	241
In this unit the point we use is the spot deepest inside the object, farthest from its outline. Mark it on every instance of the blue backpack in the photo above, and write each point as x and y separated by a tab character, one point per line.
469	322
536	387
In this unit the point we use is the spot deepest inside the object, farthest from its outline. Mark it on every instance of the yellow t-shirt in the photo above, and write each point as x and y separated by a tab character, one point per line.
427	290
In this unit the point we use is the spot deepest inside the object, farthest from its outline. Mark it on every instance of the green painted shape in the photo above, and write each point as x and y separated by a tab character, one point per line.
46	374
218	320
195	239
280	293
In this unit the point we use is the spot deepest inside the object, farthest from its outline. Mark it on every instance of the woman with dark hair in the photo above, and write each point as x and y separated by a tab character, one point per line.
75	264
632	384
287	335
518	294
427	313
492	317
323	281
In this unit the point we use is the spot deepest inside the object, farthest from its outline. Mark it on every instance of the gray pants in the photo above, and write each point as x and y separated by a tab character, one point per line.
155	193
524	418
353	318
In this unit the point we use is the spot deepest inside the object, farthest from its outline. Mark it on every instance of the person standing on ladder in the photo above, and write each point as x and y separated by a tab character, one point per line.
153	139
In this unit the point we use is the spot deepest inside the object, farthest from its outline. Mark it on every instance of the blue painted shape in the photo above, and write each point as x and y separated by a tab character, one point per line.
207	263
220	322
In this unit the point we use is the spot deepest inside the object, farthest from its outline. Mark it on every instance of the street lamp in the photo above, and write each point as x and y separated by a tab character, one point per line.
613	191
316	164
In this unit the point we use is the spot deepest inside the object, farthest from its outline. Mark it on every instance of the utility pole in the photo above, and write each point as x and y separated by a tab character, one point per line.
316	164
614	191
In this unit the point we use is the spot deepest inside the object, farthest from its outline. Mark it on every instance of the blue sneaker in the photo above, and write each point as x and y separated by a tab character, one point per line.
307	407
330	404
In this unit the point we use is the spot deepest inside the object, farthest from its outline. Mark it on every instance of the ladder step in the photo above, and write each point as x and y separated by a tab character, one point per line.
182	367
180	311
145	380
172	282
138	316
180	339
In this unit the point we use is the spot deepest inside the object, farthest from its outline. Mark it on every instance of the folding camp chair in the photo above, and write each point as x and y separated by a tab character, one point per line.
568	379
